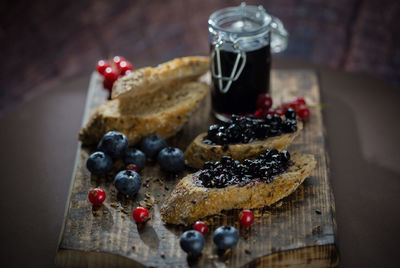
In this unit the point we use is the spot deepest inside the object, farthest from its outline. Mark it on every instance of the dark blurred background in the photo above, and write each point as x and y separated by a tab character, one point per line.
44	43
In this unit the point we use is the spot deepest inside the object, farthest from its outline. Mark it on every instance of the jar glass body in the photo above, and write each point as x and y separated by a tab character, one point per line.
240	44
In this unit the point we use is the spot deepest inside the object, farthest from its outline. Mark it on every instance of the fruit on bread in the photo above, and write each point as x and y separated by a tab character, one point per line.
189	201
163	113
198	152
147	80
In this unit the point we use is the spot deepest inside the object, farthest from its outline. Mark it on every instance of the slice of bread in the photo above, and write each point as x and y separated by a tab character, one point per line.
163	112
197	153
188	203
146	80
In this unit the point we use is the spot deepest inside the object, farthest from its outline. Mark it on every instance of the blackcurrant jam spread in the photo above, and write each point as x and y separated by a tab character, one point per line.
230	172
245	129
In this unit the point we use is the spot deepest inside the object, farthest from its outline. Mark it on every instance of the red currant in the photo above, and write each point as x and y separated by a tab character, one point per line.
264	102
124	66
246	217
140	214
101	66
303	112
258	114
97	196
270	111
118	59
132	167
280	111
287	105
201	227
110	75
300	100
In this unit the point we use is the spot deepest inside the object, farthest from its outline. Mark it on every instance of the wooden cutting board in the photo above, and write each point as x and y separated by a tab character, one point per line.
300	230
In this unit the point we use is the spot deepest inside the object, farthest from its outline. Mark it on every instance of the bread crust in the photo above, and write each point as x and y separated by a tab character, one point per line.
197	153
141	117
188	203
149	79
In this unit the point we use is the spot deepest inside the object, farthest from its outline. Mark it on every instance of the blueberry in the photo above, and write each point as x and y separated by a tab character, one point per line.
221	138
99	163
290	113
285	156
225	237
270	152
127	182
268	118
227	160
208	165
213	129
134	156
289	125
192	242
277	119
171	159
152	145
113	143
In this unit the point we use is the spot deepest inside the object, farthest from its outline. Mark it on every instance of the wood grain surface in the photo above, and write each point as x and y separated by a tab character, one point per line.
298	231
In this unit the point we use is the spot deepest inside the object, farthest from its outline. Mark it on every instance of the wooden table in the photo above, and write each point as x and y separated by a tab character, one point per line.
38	144
299	230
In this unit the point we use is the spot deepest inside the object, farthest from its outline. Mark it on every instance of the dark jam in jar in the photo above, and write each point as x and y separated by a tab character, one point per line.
253	80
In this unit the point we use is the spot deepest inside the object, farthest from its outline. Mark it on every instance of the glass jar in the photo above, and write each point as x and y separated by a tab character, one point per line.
242	39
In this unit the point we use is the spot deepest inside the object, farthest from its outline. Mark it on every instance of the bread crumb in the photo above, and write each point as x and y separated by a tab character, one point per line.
123	211
317	230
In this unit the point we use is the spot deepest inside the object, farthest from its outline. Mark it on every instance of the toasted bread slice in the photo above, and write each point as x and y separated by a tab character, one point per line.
146	80
189	202
163	112
197	153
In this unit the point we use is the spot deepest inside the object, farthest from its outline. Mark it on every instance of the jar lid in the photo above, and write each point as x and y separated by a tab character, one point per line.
241	20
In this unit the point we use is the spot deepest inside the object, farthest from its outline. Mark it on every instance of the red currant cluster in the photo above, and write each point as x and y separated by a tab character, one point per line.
264	105
111	70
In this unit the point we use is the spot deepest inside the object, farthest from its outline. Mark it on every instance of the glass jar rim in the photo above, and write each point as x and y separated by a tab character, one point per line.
230	13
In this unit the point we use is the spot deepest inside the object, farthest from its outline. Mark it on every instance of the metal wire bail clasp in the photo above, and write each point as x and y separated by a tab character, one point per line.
235	73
